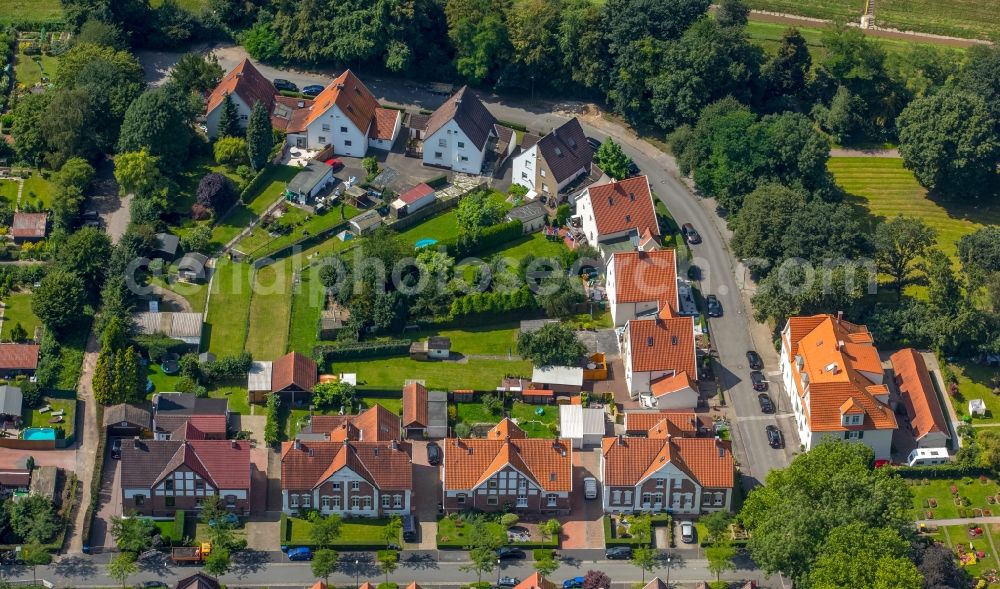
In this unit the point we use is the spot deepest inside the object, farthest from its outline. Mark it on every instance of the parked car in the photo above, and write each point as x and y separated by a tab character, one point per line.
687	532
593	143
508	582
633	169
410	528
774	437
229	518
574	583
589	488
618	553
690	233
283	84
433	454
714	306
312	89
335	163
758	380
116	448
300	553
509	553
766	406
755	361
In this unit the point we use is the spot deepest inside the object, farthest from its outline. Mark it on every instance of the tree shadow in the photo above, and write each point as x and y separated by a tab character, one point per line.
250	562
420	561
73	566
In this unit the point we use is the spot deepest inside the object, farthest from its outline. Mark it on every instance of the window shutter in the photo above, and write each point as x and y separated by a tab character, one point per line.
847	435
861	434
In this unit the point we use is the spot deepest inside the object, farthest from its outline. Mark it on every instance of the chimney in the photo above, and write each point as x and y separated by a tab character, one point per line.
233	444
722	449
840	345
470	450
840	316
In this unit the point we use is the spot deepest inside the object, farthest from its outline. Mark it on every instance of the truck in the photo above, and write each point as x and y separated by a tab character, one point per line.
190	554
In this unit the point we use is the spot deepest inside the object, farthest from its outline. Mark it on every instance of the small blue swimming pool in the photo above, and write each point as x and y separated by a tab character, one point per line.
425	242
39	433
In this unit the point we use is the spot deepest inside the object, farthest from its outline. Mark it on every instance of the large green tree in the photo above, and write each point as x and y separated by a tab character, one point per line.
59	299
791	517
160	122
553	344
122	566
478	211
981	76
229	120
612	160
950	141
899	242
138	172
86	253
479	34
857	555
30	141
260	137
787	71
198	73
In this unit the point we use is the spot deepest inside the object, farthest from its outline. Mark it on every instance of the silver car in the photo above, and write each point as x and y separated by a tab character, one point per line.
590	488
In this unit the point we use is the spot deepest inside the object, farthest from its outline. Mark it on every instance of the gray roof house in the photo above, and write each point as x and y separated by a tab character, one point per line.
11	400
532	216
185	327
310	181
166	244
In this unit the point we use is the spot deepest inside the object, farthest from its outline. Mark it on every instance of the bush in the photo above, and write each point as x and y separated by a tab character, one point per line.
492	303
231	152
178	533
272	432
32	394
362	350
509	519
216	191
462	430
489	238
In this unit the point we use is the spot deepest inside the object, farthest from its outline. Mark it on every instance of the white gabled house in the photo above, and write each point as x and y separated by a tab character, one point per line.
458	134
661	361
246	87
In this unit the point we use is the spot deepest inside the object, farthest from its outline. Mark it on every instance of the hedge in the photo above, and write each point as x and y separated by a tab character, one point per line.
492	303
362	350
179	517
490	237
437	181
656	519
283	530
95	480
515	126
252	185
941	471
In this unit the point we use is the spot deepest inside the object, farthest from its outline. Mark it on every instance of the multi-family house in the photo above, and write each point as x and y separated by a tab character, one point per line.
458	134
506	470
666	472
660	360
617	216
346	477
246	87
835	382
925	417
554	162
641	283
159	477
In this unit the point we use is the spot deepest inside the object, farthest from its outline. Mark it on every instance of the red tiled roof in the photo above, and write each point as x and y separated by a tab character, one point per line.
671	384
416	193
469	462
622	206
29	225
836	356
538	393
414	405
645	276
684	422
917	390
293	368
383	464
385	123
375	424
288	116
18	356
353	98
227	461
536	581
630	460
207	425
662	344
247	83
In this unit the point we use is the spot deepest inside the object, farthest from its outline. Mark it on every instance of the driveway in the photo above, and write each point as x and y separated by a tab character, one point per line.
108	503
585	526
426	496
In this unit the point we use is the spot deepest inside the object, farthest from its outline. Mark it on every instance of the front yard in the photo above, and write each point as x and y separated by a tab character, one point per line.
354	533
453	532
954	498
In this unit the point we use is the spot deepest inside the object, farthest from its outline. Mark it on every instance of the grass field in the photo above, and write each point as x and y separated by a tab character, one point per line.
957	18
29	69
535	244
31	11
388	374
17	309
494	340
886	188
392	404
974	383
270	310
353	532
534	425
939	491
259	243
228	308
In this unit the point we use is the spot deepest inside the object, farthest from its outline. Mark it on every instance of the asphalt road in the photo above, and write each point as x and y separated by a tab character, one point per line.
732	334
254	570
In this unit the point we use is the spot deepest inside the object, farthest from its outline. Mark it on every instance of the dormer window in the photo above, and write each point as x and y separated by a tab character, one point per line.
852	419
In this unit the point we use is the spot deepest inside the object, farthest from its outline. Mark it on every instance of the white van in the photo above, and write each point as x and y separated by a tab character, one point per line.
590	488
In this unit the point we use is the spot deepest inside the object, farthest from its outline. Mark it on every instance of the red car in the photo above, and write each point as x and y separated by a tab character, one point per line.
335	163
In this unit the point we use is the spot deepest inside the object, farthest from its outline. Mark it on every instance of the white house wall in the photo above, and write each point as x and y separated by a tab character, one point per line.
523	173
212	119
337	129
449	147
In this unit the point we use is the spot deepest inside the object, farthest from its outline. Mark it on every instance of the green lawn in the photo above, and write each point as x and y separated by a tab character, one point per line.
392	404
452	533
353	532
389	374
17	309
535	244
534	425
307	304
259	243
36	194
71	349
956	18
30	69
495	340
270	310
237	396
8	191
940	490
475	413
974	383
886	188
162	383
31	11
60	400
442	226
828	9
228	308
195	294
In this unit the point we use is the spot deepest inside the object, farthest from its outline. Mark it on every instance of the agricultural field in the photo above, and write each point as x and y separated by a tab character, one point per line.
38	11
17	310
886	188
228	308
845	10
